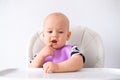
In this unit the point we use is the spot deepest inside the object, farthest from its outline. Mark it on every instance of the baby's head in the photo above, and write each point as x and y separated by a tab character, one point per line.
56	30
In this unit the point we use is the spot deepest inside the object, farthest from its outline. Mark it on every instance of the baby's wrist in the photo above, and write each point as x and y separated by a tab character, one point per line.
56	69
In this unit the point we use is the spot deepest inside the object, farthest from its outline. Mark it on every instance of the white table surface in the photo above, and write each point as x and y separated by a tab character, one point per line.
38	74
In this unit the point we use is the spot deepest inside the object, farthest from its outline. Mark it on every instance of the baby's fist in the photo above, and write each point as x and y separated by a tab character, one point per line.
49	67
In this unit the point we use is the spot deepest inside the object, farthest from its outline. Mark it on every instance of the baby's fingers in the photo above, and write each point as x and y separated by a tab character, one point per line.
49	70
49	44
46	68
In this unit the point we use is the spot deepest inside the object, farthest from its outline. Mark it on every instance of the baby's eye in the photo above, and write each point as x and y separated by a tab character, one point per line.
49	31
61	32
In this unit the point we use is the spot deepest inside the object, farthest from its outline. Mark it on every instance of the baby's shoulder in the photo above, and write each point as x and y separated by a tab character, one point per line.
71	47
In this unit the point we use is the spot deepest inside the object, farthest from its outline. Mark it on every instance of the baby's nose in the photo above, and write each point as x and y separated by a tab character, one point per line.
54	34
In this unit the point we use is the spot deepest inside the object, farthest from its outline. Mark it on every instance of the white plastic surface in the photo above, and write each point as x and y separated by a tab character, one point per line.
38	74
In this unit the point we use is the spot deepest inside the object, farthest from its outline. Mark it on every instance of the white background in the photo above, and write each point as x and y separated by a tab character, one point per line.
19	19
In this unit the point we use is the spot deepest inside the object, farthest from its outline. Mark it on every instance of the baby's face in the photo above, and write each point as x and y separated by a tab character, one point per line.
56	31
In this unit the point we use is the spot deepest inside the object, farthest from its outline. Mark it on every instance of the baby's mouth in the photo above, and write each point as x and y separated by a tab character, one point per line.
54	41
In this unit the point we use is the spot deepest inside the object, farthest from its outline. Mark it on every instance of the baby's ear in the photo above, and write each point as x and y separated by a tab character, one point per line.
68	35
41	35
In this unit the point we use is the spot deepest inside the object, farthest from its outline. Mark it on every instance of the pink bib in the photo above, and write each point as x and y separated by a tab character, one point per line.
60	55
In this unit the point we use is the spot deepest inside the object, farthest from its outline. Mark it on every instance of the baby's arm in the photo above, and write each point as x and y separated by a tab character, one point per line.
39	59
73	64
37	62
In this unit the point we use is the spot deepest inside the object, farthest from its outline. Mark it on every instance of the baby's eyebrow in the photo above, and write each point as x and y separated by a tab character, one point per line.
61	29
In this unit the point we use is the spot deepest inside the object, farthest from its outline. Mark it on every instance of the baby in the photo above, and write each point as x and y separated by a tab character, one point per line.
56	56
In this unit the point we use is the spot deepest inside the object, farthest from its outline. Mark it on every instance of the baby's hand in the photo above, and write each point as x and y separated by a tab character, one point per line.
50	67
47	51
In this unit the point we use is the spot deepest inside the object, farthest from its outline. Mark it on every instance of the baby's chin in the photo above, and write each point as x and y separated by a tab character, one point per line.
57	47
